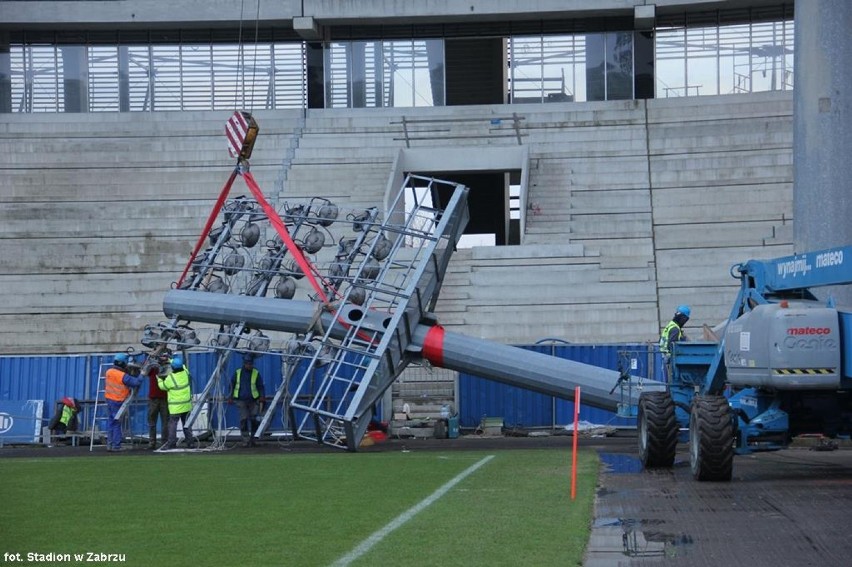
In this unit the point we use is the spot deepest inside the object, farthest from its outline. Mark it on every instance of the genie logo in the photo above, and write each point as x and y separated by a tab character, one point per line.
6	422
815	339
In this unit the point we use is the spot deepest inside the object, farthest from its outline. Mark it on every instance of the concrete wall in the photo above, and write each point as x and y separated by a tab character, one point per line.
633	207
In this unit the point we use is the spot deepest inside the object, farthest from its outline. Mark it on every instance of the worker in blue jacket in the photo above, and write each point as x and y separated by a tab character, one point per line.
118	385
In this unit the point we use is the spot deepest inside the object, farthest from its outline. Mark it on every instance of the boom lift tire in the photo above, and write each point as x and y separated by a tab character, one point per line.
657	430
711	438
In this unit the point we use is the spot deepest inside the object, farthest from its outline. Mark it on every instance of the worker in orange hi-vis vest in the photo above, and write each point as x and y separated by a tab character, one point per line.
118	385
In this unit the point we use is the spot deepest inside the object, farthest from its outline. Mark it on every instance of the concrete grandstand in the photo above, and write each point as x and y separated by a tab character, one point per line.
611	198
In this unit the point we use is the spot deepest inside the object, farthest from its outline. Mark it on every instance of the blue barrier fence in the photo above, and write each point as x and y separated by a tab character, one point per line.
47	379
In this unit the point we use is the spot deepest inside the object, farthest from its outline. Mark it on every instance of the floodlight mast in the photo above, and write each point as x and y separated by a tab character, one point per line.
430	342
371	313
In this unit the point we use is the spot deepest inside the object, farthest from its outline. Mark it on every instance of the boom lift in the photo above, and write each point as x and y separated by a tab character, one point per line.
782	368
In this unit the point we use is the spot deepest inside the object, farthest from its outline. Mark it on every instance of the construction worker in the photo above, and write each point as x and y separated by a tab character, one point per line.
174	379
672	333
65	418
158	405
247	389
118	385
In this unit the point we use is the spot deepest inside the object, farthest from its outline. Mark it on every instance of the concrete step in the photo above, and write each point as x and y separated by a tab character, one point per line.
83	131
589	289
581	323
764	133
348	141
753	202
701	170
677	268
615	225
716	235
96	254
94	331
82	220
84	293
727	107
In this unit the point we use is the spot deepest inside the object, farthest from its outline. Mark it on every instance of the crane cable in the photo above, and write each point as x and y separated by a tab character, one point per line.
254	61
239	60
240	76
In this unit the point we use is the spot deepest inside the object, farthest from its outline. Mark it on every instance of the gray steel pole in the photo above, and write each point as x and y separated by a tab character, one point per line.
533	370
503	363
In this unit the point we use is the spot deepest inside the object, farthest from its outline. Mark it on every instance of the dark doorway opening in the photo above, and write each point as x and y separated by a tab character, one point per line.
493	204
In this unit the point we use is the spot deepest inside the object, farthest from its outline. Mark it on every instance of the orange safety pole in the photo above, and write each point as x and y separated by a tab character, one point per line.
576	434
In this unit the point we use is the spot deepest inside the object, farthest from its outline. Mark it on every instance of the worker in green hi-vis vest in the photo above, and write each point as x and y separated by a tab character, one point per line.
672	333
176	382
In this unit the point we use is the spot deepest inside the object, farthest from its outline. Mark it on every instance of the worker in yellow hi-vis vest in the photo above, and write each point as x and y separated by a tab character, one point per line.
672	333
247	391
174	378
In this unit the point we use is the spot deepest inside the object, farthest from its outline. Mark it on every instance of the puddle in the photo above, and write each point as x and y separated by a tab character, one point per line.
645	538
621	463
617	463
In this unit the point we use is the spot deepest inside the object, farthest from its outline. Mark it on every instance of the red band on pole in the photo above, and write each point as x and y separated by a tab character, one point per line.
433	346
223	195
281	229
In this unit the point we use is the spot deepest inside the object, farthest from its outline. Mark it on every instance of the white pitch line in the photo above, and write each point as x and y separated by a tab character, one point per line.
397	522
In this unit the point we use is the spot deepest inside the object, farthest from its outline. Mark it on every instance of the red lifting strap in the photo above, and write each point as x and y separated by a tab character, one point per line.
307	268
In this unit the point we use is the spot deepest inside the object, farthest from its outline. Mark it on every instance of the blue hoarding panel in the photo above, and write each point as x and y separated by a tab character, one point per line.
42	377
49	378
638	360
20	421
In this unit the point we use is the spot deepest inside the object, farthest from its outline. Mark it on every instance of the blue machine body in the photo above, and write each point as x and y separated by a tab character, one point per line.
785	360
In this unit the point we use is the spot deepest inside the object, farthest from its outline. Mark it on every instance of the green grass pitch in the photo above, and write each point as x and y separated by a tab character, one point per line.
301	510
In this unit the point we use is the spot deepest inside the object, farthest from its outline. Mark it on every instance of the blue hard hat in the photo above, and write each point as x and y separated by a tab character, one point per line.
177	363
120	358
684	309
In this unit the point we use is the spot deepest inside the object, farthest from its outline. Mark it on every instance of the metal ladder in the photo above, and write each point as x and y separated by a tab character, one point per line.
356	370
123	413
100	400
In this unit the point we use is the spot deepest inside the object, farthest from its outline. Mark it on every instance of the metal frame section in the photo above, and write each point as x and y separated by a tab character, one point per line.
359	355
234	263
